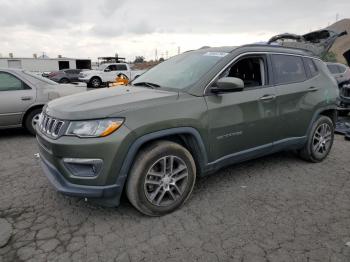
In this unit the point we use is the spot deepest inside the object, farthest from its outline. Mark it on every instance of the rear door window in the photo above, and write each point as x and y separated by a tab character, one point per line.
288	69
311	67
341	69
333	69
121	68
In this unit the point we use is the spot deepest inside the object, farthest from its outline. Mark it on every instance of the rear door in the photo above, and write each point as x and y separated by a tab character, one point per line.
243	121
15	98
296	91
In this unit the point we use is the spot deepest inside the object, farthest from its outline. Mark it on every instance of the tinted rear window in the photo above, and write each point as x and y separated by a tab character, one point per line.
288	69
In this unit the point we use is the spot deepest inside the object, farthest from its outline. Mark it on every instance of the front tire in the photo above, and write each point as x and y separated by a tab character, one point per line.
31	120
161	179
95	82
320	140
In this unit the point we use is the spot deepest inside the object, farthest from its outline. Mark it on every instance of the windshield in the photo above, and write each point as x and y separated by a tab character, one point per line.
38	78
180	71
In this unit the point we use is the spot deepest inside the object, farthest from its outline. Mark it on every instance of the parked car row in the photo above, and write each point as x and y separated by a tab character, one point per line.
106	73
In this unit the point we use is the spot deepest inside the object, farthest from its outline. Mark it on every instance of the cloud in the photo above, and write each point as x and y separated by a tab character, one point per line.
94	28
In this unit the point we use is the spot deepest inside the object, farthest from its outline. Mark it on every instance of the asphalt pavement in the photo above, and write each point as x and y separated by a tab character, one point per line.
276	208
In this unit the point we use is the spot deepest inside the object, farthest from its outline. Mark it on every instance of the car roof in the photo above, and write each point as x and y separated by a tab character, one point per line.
259	48
11	69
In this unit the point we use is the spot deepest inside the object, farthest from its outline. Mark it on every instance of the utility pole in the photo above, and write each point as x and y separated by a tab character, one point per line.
178	50
156	55
166	54
336	17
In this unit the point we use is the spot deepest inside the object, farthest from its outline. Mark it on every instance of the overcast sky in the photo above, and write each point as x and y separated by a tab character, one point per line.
88	29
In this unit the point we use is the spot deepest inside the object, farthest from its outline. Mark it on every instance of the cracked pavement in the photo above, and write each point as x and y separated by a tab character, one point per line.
276	208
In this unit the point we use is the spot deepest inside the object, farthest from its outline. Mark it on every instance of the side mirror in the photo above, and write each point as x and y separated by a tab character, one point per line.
228	84
107	70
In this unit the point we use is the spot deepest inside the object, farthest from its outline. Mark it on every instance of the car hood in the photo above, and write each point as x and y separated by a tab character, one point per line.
106	102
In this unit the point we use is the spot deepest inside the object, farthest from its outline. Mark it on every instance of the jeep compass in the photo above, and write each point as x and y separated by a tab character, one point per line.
184	118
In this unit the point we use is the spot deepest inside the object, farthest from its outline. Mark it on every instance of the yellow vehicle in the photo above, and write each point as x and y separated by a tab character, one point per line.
120	80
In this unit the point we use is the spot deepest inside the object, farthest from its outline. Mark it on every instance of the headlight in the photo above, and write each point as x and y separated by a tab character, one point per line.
93	128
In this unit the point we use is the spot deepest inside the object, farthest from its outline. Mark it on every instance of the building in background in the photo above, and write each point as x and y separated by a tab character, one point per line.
45	64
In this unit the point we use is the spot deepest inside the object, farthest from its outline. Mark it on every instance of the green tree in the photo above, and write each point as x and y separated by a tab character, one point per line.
139	59
329	57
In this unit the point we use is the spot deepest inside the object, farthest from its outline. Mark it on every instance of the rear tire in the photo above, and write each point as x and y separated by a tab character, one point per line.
161	179
64	81
320	140
32	120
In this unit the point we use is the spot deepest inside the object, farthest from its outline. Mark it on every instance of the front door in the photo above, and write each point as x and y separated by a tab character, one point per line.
15	98
243	122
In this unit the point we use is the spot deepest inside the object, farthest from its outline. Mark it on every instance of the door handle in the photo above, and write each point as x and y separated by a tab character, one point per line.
312	89
267	97
26	98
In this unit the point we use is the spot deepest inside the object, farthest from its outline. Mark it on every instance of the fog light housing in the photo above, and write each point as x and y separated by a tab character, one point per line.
83	167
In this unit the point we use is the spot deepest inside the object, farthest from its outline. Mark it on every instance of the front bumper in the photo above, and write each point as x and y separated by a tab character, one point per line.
65	187
112	150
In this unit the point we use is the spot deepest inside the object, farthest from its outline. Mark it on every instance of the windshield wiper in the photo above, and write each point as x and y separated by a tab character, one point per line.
148	84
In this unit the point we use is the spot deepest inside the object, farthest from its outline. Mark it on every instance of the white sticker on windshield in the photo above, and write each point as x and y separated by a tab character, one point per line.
219	54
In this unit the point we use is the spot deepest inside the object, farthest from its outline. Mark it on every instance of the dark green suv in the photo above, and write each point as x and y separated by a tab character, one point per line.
189	116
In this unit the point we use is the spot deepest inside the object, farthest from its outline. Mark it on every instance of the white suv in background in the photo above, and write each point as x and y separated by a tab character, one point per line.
107	73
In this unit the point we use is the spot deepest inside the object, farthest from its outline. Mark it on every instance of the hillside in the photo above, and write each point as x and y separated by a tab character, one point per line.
342	46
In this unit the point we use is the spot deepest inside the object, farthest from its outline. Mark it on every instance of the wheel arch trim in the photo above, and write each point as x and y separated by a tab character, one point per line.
32	107
139	142
318	113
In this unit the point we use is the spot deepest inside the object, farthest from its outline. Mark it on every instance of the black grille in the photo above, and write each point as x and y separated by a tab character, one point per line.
50	126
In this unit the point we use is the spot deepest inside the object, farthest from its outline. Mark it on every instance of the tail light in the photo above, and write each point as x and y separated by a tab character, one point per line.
53	74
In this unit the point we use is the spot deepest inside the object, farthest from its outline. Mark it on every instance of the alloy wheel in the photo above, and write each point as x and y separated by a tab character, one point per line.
95	83
322	139
35	120
166	181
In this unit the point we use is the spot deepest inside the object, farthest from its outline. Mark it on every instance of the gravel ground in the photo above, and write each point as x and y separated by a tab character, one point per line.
277	208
